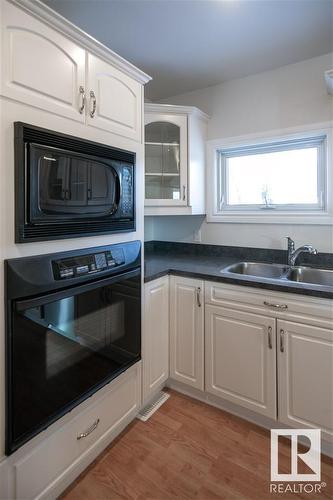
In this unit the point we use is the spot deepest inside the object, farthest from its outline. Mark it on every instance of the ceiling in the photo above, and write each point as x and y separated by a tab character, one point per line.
189	44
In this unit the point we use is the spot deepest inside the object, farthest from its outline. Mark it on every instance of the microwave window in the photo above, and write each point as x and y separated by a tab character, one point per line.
72	185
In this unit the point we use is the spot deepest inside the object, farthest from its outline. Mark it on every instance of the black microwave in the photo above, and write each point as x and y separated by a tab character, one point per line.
68	187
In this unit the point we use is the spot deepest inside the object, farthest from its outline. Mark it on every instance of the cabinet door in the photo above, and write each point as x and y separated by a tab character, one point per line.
305	366
41	67
187	331
165	160
114	100
241	358
155	336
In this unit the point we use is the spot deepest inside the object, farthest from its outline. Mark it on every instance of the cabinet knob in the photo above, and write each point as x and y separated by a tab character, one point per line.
83	99
94	102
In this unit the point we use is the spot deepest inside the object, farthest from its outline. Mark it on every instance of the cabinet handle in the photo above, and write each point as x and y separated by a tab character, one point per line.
184	193
281	340
89	430
276	306
83	99
93	99
270	345
198	296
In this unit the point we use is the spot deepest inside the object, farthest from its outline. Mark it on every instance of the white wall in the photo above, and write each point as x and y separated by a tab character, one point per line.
290	96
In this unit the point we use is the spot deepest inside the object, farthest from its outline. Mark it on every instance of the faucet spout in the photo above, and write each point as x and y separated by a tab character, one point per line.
293	254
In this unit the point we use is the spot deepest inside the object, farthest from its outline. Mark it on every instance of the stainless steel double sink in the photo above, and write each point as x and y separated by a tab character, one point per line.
300	274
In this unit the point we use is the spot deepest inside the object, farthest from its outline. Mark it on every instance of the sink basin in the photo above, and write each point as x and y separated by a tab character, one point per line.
258	269
311	275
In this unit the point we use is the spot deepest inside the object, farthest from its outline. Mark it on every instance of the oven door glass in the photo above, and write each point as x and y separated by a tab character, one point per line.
70	185
64	349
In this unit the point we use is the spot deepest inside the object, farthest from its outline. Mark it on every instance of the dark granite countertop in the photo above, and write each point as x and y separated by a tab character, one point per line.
206	261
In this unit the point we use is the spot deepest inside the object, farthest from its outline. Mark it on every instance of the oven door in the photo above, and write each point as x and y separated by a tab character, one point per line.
64	346
70	186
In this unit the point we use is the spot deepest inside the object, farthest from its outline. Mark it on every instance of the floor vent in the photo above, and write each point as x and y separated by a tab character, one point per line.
150	409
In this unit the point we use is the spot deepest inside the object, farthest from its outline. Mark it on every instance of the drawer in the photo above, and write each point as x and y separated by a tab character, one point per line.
37	470
298	308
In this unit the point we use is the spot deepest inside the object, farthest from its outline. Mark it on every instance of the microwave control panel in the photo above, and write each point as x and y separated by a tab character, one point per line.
73	267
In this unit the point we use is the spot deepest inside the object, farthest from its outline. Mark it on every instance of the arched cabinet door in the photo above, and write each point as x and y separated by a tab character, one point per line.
40	67
166	160
114	100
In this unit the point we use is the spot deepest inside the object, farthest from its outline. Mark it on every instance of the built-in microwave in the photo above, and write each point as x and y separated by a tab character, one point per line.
68	187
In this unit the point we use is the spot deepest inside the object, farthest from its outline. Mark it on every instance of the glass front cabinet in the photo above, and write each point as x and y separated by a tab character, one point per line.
170	165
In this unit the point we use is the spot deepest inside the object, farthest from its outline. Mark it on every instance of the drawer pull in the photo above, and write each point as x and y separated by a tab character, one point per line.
83	99
270	345
93	100
282	340
282	307
89	430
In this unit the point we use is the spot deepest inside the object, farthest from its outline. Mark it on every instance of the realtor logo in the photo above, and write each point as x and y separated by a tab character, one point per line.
311	457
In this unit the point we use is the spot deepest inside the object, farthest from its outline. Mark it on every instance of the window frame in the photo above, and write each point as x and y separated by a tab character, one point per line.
321	213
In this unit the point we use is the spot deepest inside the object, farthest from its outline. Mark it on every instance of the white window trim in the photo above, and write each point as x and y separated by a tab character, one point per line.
279	217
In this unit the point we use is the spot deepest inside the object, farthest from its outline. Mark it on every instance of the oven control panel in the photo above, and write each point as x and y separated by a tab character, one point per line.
74	267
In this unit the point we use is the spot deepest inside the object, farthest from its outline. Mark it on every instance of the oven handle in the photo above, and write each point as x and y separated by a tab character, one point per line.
22	305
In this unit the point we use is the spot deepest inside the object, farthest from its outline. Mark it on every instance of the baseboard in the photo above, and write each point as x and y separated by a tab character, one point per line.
238	411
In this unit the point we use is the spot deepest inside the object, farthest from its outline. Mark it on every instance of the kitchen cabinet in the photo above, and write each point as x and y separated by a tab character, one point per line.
114	99
187	331
43	67
305	367
240	361
175	160
155	341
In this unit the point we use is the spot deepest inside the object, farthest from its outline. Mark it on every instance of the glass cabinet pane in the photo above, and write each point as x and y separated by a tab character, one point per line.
162	149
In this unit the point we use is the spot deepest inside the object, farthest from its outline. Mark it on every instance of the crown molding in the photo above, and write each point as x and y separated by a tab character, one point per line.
175	109
44	13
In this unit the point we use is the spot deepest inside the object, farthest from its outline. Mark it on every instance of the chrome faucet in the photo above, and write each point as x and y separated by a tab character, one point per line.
294	253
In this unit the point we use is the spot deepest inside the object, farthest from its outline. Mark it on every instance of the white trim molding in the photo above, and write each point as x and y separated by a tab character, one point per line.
42	12
172	109
302	218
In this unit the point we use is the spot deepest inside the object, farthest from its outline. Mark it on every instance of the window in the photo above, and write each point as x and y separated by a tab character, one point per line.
288	176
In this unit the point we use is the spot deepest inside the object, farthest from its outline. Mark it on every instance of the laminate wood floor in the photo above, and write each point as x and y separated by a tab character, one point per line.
188	450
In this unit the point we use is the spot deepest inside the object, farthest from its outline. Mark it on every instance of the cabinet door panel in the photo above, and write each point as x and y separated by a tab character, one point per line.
187	331
41	67
306	376
240	358
166	147
156	336
118	100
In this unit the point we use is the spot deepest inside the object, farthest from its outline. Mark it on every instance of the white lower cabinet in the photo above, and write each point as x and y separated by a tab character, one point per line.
187	331
155	341
305	367
59	458
241	358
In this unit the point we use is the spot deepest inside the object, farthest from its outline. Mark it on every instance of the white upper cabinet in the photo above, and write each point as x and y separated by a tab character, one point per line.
41	67
305	361
241	358
165	160
174	160
84	81
114	99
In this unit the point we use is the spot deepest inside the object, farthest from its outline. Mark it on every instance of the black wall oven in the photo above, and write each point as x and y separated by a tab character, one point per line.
73	325
68	187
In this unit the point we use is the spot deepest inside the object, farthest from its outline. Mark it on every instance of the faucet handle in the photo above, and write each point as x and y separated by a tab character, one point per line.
291	243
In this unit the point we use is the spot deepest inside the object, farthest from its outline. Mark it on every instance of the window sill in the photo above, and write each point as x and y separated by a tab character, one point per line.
324	219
